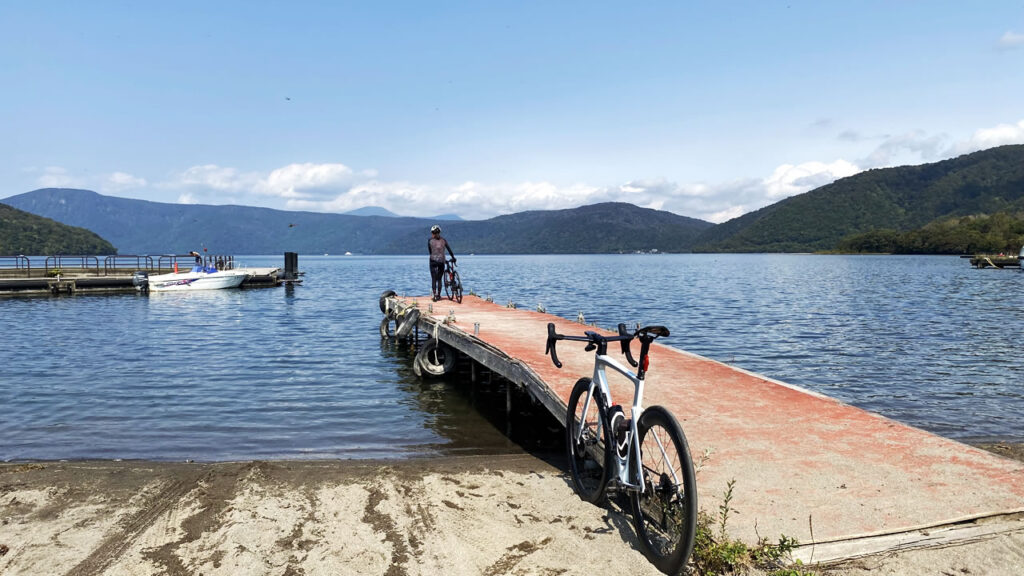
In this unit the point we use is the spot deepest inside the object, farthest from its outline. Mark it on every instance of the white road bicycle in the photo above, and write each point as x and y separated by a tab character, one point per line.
646	456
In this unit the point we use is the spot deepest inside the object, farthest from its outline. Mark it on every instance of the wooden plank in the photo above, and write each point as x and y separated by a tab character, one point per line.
927	537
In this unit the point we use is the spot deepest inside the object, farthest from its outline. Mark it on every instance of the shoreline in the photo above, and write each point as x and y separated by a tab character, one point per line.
460	515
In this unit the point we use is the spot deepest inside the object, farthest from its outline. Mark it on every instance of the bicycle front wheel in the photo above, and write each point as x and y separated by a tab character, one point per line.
586	432
447	285
457	287
665	514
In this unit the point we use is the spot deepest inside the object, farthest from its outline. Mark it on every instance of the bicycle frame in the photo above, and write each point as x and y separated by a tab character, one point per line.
600	382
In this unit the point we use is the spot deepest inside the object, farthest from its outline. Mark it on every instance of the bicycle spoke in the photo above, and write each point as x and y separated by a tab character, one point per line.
584	426
666	461
665	513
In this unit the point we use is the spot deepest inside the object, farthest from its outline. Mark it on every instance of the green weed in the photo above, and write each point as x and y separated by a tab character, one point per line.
715	554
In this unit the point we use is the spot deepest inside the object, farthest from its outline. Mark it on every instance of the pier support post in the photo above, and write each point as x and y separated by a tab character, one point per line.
508	409
291	266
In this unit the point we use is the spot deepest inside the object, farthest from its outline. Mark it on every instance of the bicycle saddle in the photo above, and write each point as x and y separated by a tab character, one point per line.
656	331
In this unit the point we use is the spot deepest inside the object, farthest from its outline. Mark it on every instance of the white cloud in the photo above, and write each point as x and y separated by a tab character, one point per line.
788	180
472	200
335	187
308	180
121	181
402	198
56	177
1011	40
851	136
213	177
991	137
726	215
723	201
909	148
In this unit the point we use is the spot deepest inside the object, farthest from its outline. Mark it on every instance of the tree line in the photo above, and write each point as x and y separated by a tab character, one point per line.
1002	232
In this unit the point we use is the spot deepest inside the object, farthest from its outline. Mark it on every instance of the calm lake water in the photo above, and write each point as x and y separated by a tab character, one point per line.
301	372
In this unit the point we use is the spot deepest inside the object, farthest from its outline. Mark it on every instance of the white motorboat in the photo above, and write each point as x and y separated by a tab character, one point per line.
198	278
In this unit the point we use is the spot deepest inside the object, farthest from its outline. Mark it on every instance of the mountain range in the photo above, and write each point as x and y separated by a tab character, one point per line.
896	199
143	227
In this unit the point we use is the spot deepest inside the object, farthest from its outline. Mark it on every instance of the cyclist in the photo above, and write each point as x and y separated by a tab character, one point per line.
436	246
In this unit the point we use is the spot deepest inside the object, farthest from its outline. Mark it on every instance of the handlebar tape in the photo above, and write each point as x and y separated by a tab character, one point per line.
550	348
625	345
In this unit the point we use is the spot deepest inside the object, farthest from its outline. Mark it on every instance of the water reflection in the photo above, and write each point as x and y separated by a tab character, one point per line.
467	409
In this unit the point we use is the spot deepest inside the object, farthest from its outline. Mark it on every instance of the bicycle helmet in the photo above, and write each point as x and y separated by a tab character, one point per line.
435	229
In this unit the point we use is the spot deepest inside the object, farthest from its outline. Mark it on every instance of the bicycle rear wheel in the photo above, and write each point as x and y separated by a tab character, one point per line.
665	515
457	287
586	433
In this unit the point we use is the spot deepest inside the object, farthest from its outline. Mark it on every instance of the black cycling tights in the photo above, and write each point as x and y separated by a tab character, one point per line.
436	273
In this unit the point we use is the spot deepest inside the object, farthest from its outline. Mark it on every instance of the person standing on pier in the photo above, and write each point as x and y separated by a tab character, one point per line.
436	246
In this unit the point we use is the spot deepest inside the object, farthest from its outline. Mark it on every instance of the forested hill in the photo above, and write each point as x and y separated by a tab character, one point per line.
609	227
899	199
143	227
28	234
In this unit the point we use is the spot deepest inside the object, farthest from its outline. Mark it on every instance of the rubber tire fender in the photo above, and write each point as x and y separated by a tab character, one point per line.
434	350
407	322
383	300
385	328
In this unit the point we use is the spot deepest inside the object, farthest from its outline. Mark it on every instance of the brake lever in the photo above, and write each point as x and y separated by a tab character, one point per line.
625	345
550	348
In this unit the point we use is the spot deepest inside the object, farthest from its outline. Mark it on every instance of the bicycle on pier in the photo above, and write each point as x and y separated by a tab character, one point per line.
452	282
646	456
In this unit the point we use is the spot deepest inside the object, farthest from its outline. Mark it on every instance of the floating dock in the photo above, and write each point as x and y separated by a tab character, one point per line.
843	481
989	261
1001	260
65	275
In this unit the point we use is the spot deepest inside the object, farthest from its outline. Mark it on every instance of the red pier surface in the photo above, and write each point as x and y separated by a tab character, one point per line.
805	465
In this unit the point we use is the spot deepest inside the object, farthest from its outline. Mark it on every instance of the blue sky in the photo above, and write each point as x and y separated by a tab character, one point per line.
708	110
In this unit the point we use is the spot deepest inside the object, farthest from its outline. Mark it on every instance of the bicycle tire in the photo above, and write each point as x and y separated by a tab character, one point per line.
447	285
665	515
457	287
589	457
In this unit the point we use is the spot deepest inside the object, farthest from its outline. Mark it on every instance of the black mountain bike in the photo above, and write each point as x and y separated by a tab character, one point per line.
452	282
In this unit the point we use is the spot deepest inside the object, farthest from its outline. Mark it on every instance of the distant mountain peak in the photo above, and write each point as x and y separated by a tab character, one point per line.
448	217
371	211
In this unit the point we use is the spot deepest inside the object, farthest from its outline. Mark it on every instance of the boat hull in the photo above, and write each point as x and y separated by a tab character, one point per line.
189	281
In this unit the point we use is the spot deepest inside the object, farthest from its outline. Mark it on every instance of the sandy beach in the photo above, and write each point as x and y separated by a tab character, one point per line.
512	514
